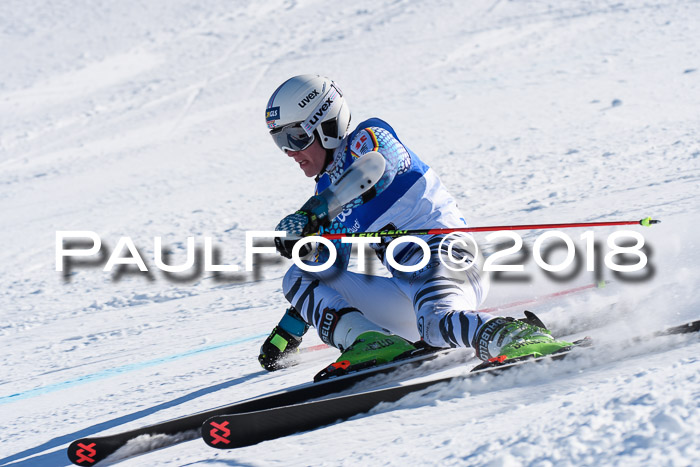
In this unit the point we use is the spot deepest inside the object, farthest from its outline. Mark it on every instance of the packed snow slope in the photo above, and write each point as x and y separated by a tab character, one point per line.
145	119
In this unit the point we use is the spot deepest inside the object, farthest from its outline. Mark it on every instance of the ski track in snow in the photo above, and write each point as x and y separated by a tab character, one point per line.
145	119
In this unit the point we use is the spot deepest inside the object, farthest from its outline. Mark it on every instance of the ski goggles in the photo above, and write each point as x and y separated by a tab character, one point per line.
292	137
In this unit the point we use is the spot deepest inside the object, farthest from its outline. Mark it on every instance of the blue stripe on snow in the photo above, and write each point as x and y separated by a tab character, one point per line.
109	372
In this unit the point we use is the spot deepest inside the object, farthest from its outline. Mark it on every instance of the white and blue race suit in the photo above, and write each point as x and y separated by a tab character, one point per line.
434	303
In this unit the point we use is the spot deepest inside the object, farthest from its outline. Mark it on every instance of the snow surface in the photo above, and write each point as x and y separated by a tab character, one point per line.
144	119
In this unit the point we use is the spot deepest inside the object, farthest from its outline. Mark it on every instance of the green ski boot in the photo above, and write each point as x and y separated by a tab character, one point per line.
370	349
377	347
501	339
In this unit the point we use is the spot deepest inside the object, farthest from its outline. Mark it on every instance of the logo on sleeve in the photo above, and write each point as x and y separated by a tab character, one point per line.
360	144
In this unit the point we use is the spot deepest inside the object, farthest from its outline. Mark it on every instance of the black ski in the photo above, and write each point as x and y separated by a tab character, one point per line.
87	451
248	428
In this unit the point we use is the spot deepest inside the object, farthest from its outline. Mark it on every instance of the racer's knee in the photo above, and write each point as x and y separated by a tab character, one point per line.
293	276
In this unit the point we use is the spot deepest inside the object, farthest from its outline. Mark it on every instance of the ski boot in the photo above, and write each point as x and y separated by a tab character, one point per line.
502	339
370	349
283	341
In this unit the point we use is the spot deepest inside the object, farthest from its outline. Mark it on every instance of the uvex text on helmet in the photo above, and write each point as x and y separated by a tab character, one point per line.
313	102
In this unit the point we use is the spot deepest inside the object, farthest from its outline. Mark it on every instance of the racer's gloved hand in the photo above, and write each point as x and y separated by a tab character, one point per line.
307	220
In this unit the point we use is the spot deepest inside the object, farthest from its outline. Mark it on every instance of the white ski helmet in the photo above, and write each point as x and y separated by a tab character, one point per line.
305	107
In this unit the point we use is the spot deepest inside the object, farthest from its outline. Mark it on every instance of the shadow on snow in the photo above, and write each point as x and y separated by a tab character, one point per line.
60	458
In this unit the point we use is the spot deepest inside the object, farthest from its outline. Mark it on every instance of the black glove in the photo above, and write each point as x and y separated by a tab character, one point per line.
278	345
309	219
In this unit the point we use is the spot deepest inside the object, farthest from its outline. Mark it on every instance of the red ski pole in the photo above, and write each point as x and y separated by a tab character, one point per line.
647	222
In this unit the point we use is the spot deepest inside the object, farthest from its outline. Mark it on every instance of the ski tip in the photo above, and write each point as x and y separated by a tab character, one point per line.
85	451
648	221
216	433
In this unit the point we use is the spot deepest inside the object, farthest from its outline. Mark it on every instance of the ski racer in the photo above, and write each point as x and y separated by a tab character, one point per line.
370	318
